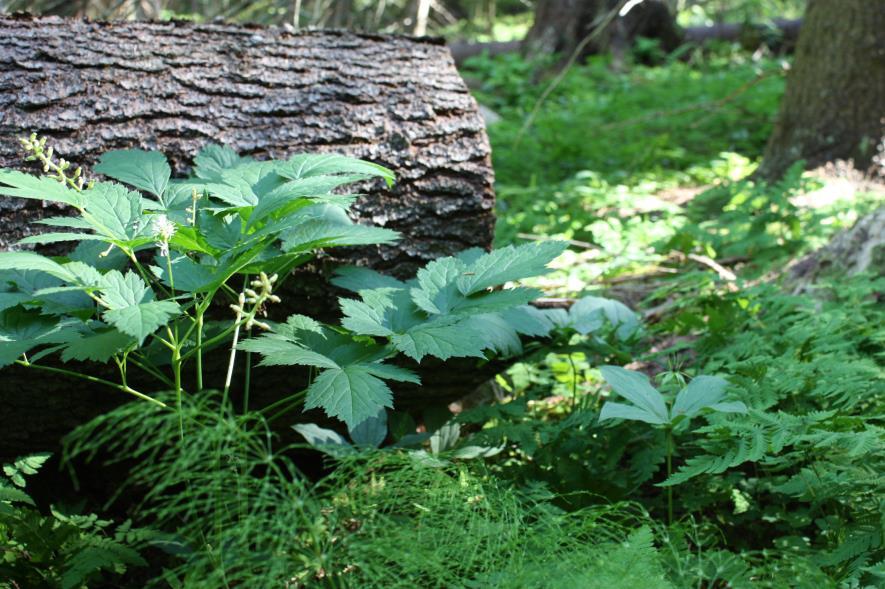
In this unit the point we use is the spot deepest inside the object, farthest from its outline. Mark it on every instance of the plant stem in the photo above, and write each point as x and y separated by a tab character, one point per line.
233	358
119	387
199	349
176	371
669	473
248	379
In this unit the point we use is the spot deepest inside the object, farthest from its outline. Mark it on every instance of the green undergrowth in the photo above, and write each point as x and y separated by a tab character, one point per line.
245	516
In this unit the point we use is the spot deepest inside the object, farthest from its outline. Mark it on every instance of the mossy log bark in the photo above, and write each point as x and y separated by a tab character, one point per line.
91	87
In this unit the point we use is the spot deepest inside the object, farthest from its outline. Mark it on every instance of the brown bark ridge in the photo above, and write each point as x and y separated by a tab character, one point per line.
834	105
93	86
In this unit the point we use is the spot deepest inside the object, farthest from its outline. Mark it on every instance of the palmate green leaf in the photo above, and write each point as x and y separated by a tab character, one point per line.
115	212
613	410
98	343
213	159
588	314
32	261
131	307
307	165
351	394
508	264
293	191
315	234
355	279
497	333
635	387
142	319
280	351
124	290
442	339
145	170
245	185
47	238
21	185
701	392
22	330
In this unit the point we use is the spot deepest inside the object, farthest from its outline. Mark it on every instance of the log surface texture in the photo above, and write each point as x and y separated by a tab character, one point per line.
92	87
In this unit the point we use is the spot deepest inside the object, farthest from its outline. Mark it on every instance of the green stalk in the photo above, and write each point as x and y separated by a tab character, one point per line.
669	473
119	387
248	379
176	371
199	348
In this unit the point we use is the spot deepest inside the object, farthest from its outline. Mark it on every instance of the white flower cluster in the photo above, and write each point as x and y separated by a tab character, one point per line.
163	230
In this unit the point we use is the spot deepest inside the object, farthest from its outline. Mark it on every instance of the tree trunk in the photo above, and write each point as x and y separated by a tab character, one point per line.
560	26
834	106
91	87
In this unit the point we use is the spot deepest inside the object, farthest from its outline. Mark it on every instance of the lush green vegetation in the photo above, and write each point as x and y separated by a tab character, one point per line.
686	422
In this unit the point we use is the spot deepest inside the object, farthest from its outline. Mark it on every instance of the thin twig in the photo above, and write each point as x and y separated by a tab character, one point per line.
597	30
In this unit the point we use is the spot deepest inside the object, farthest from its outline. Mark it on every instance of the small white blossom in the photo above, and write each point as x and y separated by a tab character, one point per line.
163	227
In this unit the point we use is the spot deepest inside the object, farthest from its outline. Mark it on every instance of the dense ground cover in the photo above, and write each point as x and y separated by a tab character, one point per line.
770	475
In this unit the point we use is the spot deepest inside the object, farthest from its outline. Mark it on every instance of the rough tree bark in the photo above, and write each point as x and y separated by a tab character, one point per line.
91	87
561	25
834	106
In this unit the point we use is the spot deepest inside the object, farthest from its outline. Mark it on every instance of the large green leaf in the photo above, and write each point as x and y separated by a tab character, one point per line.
142	319
281	351
115	212
145	170
212	160
613	410
124	290
131	307
315	233
97	343
441	339
22	330
705	392
355	279
588	314
307	165
635	387
351	394
21	185
32	261
508	264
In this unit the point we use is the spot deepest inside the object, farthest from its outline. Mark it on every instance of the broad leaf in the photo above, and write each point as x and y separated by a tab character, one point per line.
142	319
442	340
22	330
351	394
325	440
21	185
508	264
371	432
145	170
278	351
355	279
212	160
32	261
115	212
635	387
97	344
589	313
613	410
307	165
701	392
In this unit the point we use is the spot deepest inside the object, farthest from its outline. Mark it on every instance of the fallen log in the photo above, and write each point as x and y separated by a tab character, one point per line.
267	92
